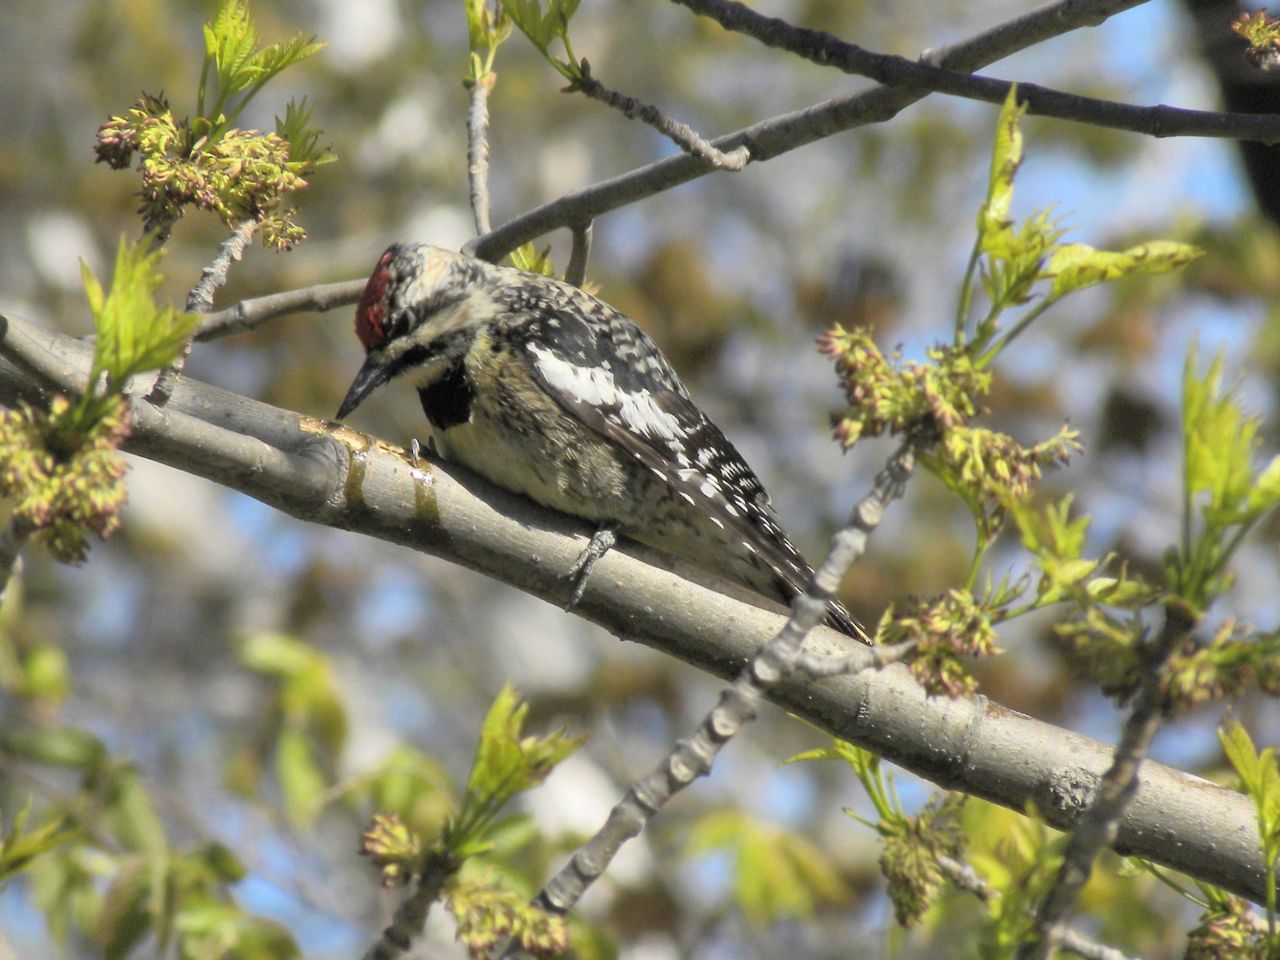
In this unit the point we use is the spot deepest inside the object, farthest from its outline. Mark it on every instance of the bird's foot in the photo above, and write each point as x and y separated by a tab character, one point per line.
601	543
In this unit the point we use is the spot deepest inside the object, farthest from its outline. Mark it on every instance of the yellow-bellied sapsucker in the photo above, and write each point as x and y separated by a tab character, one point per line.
549	392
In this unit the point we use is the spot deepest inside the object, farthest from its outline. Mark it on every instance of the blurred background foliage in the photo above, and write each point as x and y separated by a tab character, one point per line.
244	690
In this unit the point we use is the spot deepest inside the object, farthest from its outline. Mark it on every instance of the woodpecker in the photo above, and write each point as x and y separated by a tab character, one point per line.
547	391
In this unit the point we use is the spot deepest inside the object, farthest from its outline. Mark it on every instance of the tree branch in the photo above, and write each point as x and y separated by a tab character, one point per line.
894	71
785	132
248	314
411	916
13	538
200	300
478	149
681	134
576	272
1098	826
325	473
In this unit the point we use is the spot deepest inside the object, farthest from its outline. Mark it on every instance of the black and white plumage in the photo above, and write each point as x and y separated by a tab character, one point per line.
549	392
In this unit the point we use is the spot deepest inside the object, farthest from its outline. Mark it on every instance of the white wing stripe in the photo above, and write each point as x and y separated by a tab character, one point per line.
596	386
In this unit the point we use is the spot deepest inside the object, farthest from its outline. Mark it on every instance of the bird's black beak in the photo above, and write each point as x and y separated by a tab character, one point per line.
372	375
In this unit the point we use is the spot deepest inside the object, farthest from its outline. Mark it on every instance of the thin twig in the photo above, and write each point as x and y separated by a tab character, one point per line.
411	916
478	149
894	71
966	878
13	538
248	314
213	276
681	134
576	272
777	135
200	300
775	662
1100	822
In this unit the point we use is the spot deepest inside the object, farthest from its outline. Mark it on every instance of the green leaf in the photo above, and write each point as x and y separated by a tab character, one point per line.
44	673
777	873
65	887
1265	492
529	259
127	911
212	928
1219	445
487	28
134	334
277	655
55	746
506	763
1006	156
128	810
1075	266
412	786
312	712
543	27
19	846
302	781
269	61
229	40
1258	773
304	149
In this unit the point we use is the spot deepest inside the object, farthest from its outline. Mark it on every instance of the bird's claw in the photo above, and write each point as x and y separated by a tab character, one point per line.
601	542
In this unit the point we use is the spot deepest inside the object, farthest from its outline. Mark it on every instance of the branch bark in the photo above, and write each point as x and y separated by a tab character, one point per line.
326	473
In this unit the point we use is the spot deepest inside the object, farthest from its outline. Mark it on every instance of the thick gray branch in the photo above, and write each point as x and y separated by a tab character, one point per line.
325	473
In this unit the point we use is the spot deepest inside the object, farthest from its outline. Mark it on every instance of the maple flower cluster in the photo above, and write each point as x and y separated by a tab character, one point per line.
65	484
241	175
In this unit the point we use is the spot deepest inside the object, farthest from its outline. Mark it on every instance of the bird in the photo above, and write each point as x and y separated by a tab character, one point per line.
549	392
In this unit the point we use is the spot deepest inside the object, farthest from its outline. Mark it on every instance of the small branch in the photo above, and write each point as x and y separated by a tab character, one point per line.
780	134
774	663
817	667
411	916
576	272
1100	822
213	276
478	149
682	135
200	300
966	878
893	71
248	314
13	538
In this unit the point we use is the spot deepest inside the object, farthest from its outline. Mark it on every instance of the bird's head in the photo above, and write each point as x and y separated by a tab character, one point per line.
416	294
